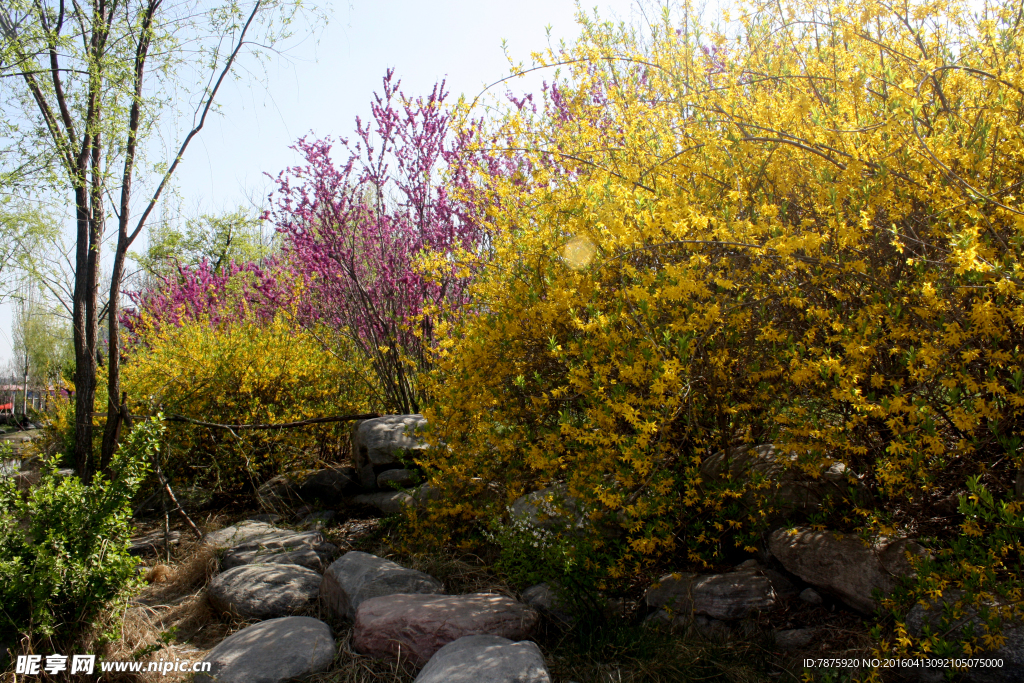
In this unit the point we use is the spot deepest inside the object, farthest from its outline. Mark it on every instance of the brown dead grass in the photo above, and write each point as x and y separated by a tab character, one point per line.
171	618
351	667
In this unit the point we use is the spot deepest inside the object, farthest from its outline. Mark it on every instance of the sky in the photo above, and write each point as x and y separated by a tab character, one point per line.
319	86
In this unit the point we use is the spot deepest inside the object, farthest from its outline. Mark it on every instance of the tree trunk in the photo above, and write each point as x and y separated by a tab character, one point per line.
115	410
84	322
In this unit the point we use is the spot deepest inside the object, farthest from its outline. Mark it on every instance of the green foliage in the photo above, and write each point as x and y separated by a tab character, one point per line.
64	545
59	430
23	228
42	339
531	554
573	564
969	571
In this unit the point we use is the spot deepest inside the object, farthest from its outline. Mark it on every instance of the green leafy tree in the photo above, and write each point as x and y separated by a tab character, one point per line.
43	352
89	81
217	239
23	228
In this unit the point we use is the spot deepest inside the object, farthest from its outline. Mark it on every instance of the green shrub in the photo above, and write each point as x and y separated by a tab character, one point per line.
573	564
64	545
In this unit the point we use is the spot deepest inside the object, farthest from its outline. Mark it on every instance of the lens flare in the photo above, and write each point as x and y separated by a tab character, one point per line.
578	252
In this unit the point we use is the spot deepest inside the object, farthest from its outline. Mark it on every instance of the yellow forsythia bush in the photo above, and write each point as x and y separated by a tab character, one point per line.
803	228
244	372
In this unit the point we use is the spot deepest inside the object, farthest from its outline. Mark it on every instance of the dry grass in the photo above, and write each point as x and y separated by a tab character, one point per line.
171	618
351	667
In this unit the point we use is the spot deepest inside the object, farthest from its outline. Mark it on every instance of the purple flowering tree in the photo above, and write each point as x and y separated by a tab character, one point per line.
353	229
233	292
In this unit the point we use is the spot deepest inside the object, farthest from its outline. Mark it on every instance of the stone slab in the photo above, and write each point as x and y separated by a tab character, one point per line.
271	652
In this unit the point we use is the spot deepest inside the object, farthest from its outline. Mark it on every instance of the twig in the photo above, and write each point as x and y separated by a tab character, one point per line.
178	508
279	425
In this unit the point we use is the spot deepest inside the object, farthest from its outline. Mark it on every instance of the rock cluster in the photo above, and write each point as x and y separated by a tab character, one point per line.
275	575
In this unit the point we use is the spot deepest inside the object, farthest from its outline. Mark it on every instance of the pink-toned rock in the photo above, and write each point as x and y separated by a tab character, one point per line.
417	626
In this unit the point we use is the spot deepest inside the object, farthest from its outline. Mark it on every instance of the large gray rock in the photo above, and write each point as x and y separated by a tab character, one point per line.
357	576
330	484
237	534
264	591
486	659
734	595
388	502
281	546
843	564
545	600
794	638
393	502
271	652
380	443
303	556
417	626
550	508
792	488
1011	652
401	478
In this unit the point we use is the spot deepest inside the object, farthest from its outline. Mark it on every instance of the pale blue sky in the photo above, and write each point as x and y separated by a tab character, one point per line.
322	87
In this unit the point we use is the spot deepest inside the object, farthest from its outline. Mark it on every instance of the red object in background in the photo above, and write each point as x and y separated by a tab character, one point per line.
6	406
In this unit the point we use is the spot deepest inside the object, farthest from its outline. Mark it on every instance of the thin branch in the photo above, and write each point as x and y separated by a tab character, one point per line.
278	425
202	120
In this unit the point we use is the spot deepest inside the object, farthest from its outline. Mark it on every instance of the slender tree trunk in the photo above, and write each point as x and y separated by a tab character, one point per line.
115	414
116	409
84	322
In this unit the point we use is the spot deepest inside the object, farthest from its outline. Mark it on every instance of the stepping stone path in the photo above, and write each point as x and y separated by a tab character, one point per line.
417	626
257	542
358	576
269	572
263	591
486	659
271	651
